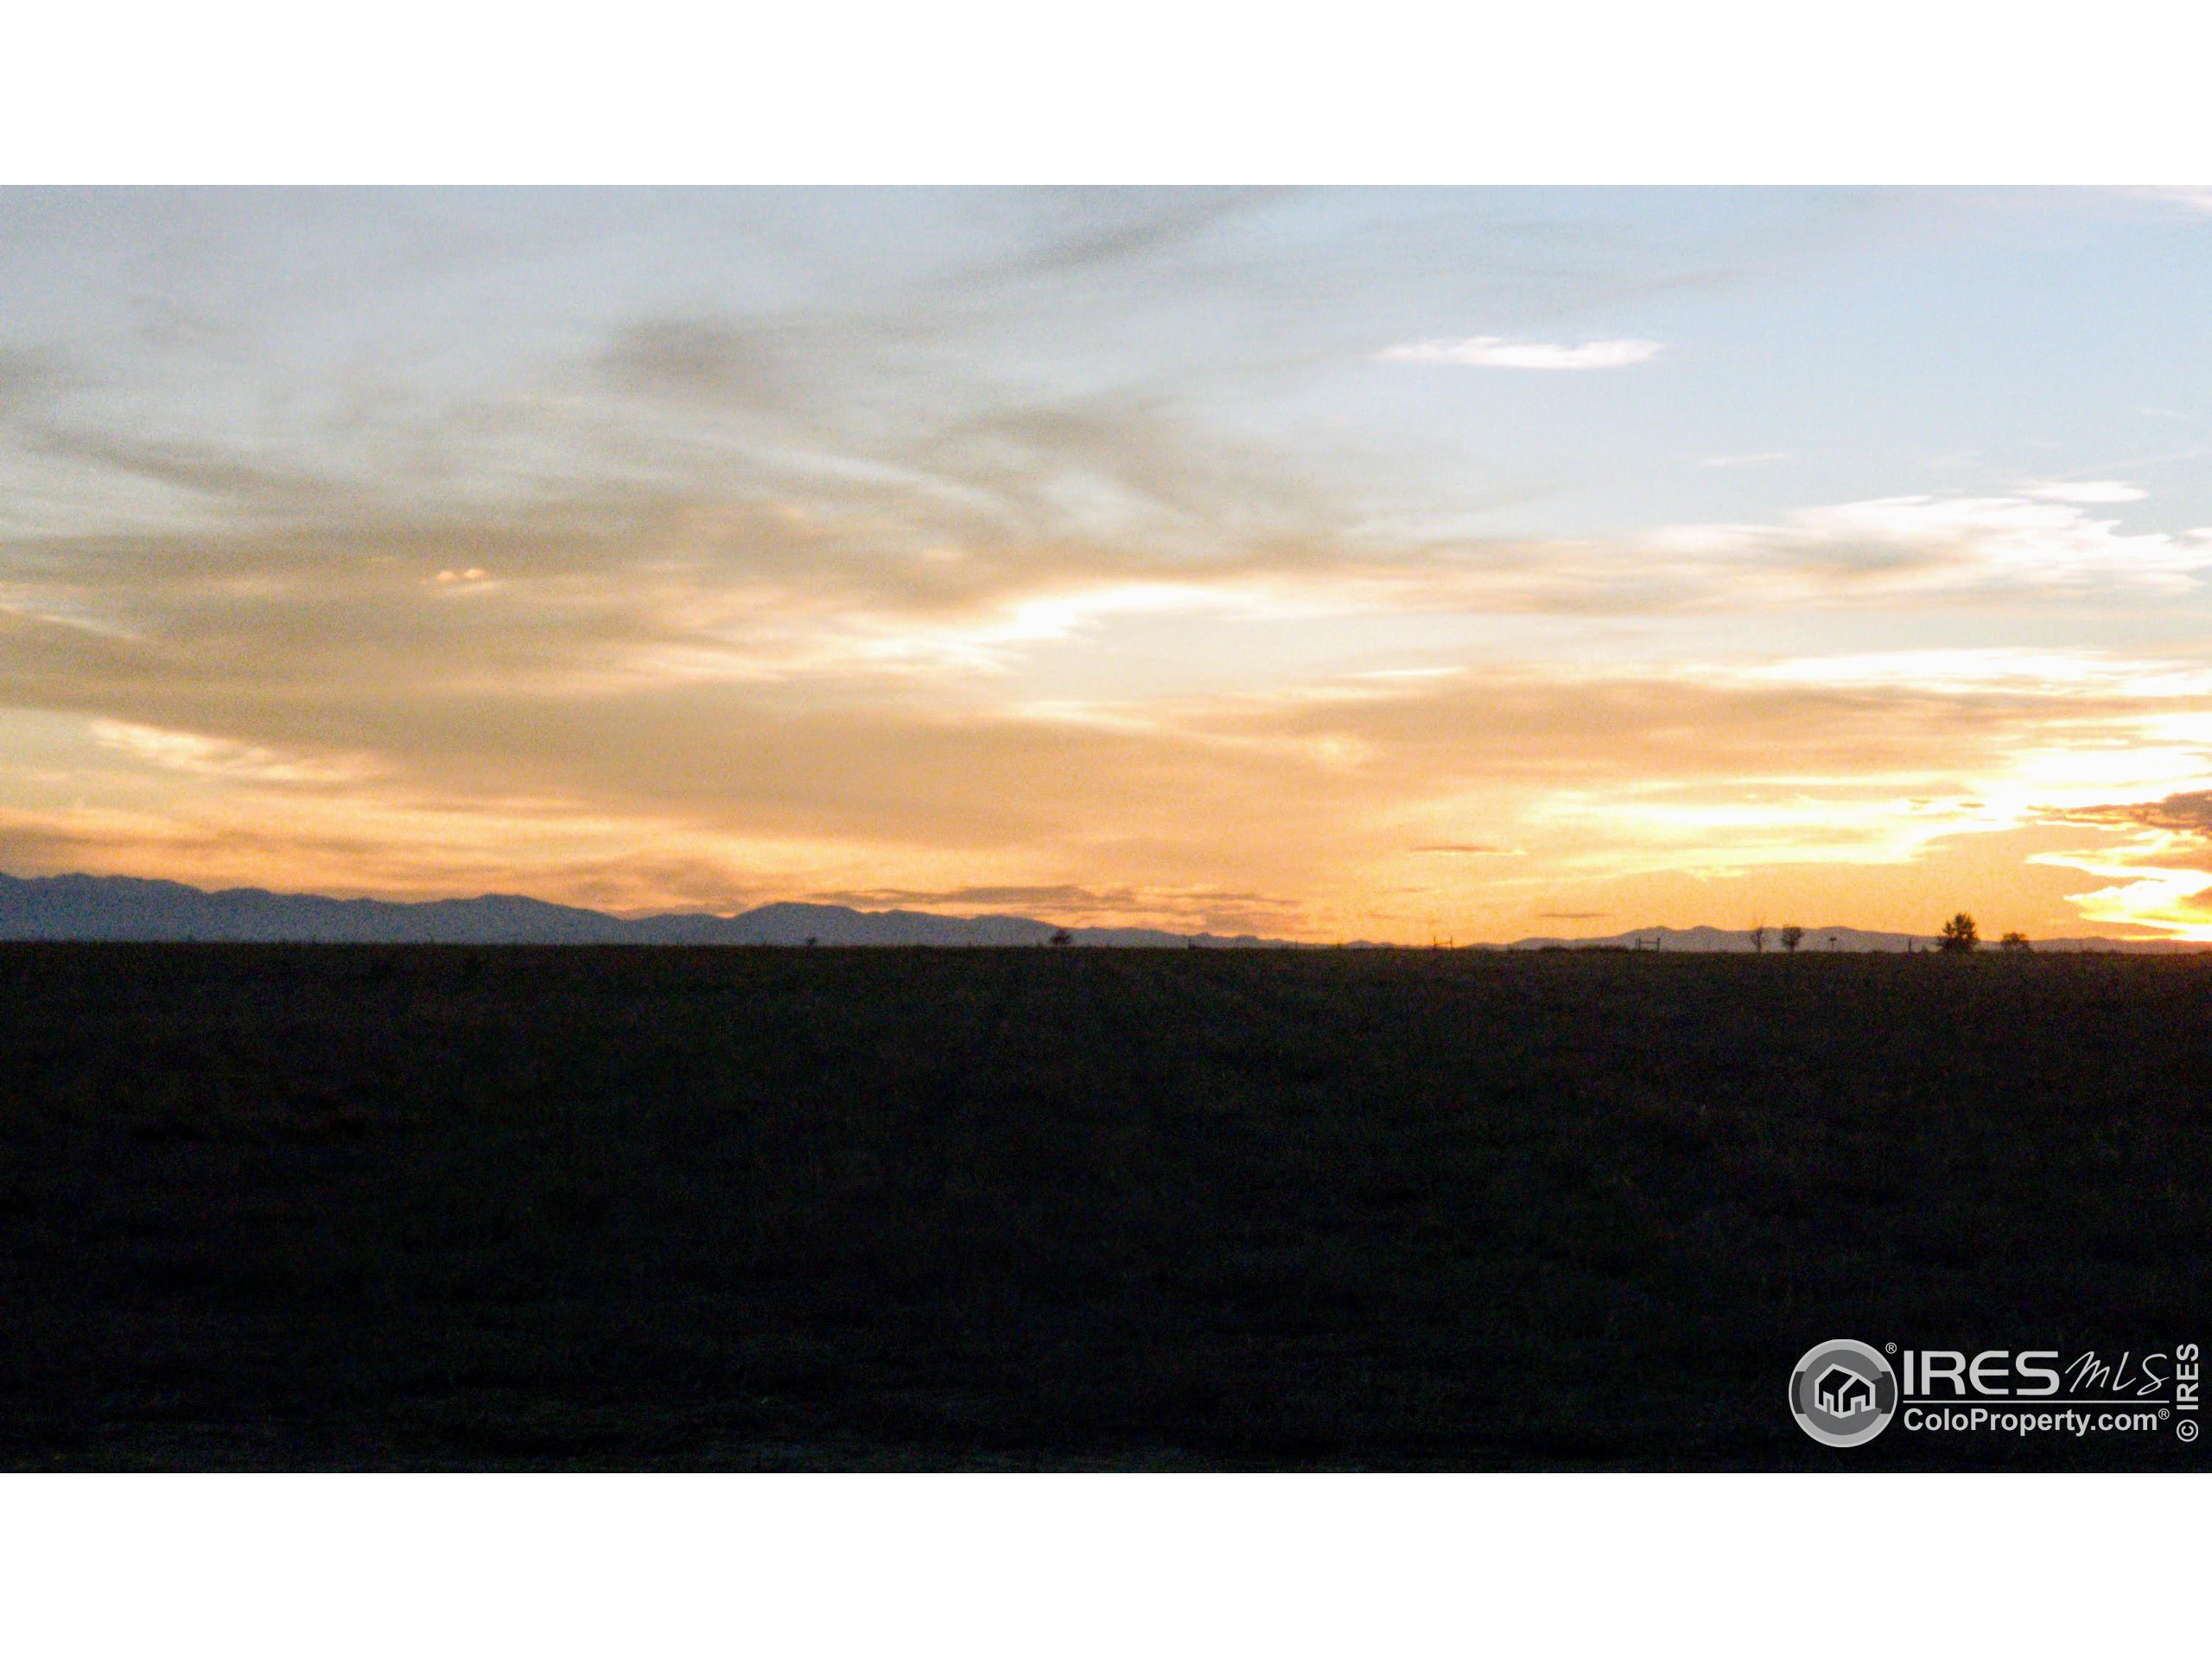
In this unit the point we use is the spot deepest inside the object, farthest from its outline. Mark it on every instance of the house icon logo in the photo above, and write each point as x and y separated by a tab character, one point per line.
1843	1393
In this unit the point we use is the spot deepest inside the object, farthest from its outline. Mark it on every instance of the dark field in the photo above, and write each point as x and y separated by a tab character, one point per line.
371	1207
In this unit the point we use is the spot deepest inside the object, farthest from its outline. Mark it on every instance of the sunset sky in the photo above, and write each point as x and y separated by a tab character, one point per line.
1325	565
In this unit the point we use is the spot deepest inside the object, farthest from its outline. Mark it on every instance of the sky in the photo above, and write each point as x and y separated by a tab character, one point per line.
1394	565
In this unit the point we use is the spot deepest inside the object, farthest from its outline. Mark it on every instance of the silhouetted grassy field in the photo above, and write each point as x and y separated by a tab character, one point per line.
368	1207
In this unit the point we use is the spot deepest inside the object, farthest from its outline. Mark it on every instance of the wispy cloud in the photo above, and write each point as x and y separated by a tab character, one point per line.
2088	492
1929	544
1205	908
1494	351
223	758
2188	813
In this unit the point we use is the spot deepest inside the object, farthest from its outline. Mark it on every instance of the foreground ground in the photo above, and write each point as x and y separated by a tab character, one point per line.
268	1206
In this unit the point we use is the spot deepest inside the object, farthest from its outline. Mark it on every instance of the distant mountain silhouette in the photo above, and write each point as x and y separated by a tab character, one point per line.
1822	938
124	907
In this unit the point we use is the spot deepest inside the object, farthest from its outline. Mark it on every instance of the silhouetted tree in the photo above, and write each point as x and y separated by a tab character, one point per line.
1960	933
1792	936
1757	931
2014	942
1061	936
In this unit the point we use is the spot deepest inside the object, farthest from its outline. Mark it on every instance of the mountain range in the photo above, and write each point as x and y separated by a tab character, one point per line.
125	907
1825	938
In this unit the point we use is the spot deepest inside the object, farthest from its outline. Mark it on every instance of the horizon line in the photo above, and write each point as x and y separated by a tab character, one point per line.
1647	930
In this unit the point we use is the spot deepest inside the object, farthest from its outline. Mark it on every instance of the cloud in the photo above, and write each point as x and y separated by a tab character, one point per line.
2091	492
1493	352
650	622
2160	867
428	748
1060	893
711	360
1083	229
1970	670
1215	909
183	465
2186	814
216	757
1931	544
